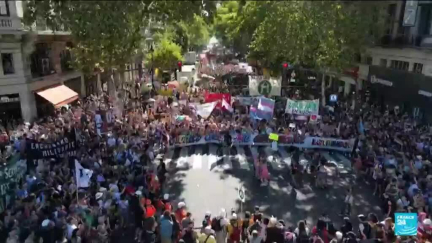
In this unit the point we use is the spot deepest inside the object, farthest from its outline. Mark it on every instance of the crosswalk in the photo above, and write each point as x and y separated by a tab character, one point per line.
210	157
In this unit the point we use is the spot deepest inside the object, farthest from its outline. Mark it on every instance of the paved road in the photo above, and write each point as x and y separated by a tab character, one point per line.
208	182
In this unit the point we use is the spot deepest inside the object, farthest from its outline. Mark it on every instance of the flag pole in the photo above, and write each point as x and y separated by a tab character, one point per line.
76	181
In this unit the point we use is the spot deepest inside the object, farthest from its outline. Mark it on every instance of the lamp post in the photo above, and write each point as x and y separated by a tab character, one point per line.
151	50
152	68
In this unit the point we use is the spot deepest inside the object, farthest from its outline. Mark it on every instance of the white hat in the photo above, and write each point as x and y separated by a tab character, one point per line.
273	221
98	195
427	222
181	205
339	235
45	223
166	196
102	189
208	230
223	222
222	212
138	193
234	216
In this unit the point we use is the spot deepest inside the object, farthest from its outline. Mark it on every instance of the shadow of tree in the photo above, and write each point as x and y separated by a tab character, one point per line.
279	198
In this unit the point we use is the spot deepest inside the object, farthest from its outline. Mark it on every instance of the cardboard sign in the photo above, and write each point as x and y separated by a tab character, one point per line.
274	136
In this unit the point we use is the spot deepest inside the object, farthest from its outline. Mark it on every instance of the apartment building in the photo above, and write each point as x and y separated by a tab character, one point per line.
400	65
35	70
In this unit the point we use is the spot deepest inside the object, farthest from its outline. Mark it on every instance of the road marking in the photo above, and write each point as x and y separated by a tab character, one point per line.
227	163
198	158
285	155
241	155
183	158
212	157
168	156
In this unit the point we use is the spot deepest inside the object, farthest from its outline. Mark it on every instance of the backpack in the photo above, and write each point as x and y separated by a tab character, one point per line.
320	233
302	237
287	236
216	224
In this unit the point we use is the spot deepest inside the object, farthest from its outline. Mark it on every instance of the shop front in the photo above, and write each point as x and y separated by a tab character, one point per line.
10	107
410	91
53	98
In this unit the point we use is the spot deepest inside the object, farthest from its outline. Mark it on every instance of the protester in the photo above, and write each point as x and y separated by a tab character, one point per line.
120	186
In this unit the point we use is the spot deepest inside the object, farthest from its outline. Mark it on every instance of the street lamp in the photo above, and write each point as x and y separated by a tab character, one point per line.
151	50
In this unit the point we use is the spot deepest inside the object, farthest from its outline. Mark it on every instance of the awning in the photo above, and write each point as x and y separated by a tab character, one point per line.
59	95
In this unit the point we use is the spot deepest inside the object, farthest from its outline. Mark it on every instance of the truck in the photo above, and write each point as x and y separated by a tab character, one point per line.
190	58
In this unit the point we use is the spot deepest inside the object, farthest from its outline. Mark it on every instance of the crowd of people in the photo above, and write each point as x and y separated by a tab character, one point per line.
126	199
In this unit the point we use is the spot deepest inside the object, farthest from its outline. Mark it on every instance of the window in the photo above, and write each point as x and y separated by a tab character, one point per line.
383	62
7	62
391	13
418	68
400	65
4	8
369	60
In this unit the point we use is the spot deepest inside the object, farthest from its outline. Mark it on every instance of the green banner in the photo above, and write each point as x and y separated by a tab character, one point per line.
302	107
14	170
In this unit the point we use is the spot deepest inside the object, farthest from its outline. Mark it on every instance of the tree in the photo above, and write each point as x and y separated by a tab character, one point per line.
107	34
198	33
165	55
236	21
324	36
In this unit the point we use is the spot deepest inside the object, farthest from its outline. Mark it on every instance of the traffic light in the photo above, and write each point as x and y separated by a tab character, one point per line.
285	66
179	65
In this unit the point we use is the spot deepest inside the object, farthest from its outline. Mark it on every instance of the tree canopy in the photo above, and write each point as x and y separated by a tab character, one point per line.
166	54
318	34
107	34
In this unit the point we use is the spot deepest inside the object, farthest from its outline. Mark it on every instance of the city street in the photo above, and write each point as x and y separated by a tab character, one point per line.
206	182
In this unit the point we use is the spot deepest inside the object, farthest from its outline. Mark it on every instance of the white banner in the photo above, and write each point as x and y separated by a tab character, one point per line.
82	175
258	85
204	110
302	107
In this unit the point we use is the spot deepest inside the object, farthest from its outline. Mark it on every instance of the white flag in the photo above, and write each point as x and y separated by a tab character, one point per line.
227	106
206	109
82	175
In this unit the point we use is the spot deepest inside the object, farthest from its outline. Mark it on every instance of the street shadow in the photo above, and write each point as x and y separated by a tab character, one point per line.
306	202
280	198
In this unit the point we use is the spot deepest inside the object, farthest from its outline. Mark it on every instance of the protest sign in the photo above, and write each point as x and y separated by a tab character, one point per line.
58	149
259	85
302	107
245	139
274	137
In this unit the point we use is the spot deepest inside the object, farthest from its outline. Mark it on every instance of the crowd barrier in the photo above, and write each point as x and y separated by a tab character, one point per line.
246	139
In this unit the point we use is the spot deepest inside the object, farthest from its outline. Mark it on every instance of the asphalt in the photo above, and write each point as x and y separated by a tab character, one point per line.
211	190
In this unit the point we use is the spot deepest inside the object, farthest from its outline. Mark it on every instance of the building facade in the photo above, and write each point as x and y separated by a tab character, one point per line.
32	63
400	65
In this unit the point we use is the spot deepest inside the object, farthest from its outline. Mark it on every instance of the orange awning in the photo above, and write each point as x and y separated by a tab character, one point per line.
59	95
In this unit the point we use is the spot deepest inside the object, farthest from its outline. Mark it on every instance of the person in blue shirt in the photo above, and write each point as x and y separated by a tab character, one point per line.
166	228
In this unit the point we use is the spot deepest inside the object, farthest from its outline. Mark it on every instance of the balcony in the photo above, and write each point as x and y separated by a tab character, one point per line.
41	66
